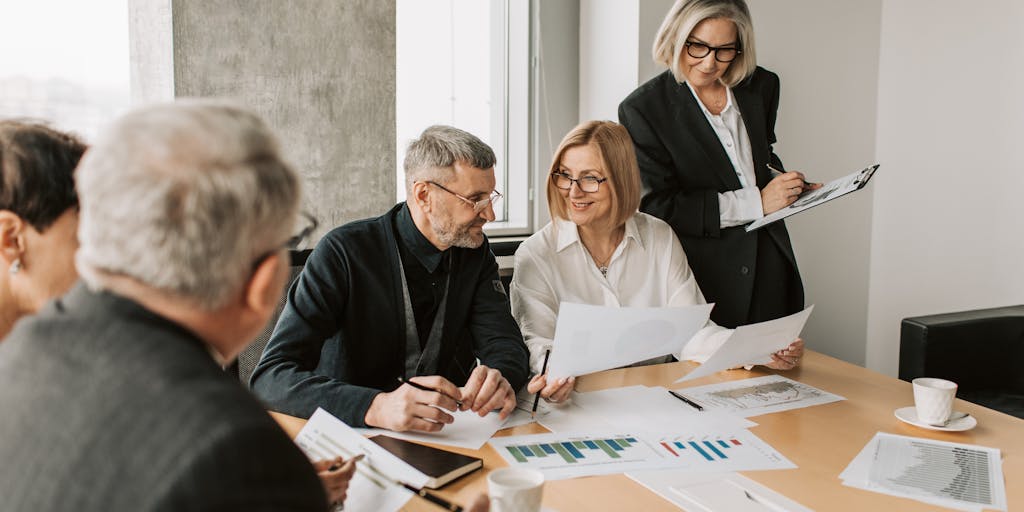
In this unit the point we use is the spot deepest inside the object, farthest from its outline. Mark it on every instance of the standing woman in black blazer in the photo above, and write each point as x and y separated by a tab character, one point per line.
703	132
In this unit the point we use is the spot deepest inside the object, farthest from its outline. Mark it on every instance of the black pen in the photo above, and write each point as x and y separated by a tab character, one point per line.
336	466
425	388
689	402
433	498
536	399
776	172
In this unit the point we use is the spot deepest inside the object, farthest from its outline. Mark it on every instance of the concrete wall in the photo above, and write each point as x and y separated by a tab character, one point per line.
322	72
948	218
826	55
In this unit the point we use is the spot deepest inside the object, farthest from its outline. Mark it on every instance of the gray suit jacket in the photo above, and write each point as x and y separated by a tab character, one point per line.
105	406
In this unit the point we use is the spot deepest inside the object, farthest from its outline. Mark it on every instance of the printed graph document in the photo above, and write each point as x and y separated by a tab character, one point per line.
753	344
467	431
829	191
952	475
760	395
703	492
593	338
374	486
575	454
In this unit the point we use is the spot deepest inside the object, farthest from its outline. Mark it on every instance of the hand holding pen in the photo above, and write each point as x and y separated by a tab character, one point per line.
555	390
418	405
784	189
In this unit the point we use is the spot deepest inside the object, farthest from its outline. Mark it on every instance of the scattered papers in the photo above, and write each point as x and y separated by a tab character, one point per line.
708	492
373	487
952	475
570	455
593	338
467	431
759	395
753	344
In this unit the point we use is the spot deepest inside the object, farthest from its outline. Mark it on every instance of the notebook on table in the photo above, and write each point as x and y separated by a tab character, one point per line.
441	466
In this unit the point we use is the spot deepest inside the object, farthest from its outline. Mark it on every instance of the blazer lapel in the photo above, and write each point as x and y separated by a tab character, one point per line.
752	111
689	113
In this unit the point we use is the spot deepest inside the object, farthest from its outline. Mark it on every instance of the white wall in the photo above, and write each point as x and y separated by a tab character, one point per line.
948	215
826	55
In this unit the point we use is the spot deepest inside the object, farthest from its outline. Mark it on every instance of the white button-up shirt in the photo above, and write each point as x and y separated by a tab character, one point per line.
647	269
736	207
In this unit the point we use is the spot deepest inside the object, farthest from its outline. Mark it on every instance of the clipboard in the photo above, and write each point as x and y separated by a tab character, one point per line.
829	191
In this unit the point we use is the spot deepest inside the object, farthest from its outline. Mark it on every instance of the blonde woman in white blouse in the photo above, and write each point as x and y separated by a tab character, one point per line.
598	249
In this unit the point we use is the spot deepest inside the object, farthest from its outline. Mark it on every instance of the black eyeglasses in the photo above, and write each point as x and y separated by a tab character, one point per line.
478	206
586	183
722	53
309	224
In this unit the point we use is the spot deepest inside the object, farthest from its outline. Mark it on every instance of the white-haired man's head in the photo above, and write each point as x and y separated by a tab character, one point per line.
185	198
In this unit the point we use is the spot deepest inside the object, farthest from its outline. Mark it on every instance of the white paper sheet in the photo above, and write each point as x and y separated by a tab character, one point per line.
753	344
593	338
372	487
467	431
759	395
952	475
653	409
685	490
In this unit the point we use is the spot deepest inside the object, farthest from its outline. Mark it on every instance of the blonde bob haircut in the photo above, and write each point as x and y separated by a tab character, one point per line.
615	148
680	21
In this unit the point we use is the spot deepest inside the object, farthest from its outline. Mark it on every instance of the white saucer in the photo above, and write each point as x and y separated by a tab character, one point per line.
909	415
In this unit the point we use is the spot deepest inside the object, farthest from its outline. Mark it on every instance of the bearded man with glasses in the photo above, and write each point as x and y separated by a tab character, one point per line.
397	321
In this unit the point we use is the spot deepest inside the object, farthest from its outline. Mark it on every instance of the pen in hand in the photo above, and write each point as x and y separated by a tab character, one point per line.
777	172
689	402
336	466
536	399
425	388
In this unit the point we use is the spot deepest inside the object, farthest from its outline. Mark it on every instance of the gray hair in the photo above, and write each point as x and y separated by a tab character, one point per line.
437	150
184	197
669	43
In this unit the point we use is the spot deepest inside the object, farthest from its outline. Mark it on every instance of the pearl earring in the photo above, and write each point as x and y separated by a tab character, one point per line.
15	267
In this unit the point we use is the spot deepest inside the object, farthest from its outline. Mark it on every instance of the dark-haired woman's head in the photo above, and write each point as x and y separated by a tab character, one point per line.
38	216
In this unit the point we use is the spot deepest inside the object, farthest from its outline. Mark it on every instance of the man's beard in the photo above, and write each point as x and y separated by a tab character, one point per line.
456	235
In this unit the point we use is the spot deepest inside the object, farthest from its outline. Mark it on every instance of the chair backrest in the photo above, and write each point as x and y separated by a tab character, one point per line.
504	251
249	357
977	349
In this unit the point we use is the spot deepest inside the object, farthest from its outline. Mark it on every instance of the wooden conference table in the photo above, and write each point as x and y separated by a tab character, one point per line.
820	440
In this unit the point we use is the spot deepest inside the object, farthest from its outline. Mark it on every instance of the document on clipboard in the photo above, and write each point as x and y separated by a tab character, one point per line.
829	191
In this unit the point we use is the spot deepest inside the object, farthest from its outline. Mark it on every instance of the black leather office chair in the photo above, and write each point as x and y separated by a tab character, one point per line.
981	350
249	357
505	248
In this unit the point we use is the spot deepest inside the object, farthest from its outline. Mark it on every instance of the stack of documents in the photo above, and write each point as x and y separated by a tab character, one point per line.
952	475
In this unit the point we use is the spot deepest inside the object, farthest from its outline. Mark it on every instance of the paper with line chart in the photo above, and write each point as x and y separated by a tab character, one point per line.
760	395
564	455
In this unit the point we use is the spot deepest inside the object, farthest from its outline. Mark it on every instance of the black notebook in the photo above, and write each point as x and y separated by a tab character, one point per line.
440	465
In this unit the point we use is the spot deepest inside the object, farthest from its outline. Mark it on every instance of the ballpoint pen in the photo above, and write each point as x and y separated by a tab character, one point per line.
776	172
689	402
536	399
336	466
425	388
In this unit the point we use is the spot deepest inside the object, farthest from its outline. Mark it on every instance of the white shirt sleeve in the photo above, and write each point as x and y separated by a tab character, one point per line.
534	306
739	207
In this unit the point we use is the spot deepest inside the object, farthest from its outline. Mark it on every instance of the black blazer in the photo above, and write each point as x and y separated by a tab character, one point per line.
683	167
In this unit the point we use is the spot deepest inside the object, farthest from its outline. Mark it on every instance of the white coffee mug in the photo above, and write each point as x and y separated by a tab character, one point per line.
933	399
515	489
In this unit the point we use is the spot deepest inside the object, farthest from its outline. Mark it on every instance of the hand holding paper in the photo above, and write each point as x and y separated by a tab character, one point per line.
753	344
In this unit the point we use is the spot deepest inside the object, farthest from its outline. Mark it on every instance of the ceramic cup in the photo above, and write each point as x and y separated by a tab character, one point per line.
933	399
515	489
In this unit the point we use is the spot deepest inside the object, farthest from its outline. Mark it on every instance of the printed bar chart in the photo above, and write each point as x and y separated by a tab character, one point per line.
572	452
